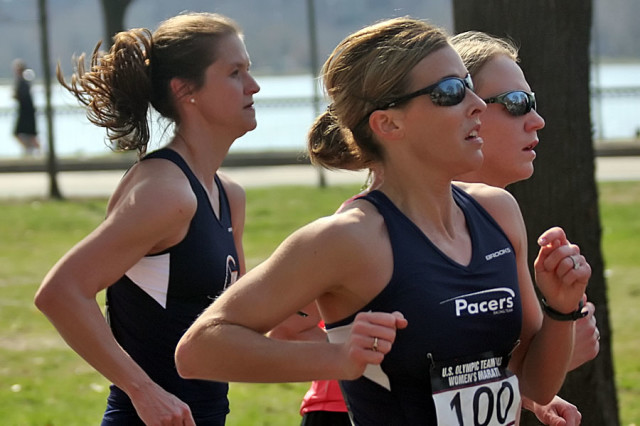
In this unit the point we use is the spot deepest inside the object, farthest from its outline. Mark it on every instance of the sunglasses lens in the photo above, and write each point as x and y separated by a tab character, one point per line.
518	103
448	92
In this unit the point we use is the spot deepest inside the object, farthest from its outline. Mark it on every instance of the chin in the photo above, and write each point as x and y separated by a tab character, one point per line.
251	126
478	161
524	174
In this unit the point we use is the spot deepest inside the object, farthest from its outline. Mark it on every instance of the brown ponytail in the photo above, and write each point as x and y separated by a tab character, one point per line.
367	69
136	72
117	88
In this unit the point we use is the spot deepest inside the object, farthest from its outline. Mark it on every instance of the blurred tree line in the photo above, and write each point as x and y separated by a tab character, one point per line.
76	25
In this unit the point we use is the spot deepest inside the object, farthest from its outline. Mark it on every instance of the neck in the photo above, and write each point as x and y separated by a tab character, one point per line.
203	153
477	177
423	197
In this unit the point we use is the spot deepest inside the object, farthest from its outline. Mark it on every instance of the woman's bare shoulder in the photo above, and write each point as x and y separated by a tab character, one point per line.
492	198
154	189
234	190
354	232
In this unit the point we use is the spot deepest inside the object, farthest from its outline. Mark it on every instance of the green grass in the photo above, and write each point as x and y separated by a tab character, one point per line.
42	382
620	204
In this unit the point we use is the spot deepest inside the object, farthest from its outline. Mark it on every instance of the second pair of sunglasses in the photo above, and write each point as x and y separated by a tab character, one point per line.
516	102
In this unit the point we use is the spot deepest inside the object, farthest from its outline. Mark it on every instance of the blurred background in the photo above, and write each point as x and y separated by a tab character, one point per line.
278	39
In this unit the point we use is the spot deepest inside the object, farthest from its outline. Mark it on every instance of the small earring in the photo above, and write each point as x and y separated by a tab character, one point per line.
192	100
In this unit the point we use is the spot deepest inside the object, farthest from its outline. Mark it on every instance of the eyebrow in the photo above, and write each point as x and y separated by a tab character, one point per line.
444	77
240	64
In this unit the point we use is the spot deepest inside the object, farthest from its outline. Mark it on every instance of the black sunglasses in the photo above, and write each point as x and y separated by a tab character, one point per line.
446	92
516	102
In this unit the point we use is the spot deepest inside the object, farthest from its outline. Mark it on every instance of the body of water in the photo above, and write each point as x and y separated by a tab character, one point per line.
285	111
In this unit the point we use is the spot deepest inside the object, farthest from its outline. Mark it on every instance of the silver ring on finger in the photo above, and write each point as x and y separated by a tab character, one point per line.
375	344
576	263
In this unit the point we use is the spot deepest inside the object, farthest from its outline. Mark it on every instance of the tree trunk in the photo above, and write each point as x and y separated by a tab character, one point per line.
113	12
315	69
553	36
52	162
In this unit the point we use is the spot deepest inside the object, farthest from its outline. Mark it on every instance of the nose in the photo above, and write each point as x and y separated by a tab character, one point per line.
252	85
477	104
534	121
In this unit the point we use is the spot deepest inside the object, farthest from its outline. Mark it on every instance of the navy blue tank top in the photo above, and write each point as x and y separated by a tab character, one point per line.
453	311
153	304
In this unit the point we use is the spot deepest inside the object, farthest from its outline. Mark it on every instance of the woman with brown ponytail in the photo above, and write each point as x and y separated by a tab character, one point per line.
423	283
172	237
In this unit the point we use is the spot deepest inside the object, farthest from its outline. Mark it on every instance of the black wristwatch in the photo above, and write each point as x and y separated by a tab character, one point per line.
559	316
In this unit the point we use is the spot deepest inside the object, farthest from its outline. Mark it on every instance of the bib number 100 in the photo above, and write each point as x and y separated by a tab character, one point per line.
489	404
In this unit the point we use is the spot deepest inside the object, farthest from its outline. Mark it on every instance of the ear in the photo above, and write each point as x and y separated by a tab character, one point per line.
181	89
386	124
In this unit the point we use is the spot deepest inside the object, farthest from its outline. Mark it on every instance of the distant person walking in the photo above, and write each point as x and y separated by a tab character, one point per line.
25	130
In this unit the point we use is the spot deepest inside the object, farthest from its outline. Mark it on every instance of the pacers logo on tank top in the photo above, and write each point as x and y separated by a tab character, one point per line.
495	301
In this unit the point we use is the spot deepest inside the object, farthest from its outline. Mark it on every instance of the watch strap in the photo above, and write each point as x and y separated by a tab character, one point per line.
559	316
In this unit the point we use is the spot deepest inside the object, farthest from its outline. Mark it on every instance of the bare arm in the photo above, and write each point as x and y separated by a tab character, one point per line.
542	358
303	325
135	226
557	413
228	340
562	286
587	338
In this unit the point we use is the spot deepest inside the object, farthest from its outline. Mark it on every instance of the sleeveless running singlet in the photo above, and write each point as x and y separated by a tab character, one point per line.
153	304
463	322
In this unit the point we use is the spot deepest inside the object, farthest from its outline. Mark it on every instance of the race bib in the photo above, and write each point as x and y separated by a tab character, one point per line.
475	391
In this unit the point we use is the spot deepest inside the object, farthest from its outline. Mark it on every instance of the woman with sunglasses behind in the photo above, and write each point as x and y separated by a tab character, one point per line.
509	131
423	284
